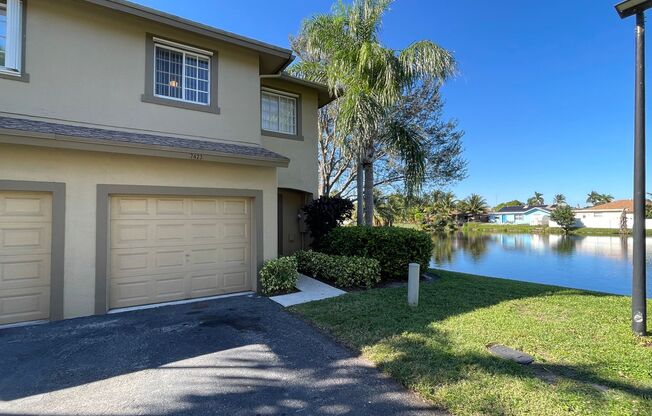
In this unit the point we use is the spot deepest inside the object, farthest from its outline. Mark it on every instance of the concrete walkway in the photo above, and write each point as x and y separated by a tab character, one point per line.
309	290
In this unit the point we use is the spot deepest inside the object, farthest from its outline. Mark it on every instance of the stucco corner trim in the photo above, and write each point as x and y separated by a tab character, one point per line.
58	191
104	193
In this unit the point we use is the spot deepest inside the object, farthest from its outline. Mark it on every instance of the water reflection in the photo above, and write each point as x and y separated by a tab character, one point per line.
595	263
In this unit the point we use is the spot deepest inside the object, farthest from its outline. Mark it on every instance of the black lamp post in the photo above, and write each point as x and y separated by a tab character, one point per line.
639	315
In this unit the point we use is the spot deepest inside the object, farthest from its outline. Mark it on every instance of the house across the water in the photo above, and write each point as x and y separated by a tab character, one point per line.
522	214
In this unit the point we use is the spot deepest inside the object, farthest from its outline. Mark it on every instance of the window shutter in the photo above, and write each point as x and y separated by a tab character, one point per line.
14	34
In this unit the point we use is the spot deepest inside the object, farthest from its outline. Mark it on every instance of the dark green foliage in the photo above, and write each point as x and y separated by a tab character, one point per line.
279	275
393	247
343	271
513	203
564	216
325	214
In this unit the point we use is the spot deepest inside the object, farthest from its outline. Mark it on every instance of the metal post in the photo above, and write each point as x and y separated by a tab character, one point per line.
360	185
413	284
639	315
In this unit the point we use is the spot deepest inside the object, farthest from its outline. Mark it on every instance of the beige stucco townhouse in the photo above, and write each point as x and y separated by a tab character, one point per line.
144	158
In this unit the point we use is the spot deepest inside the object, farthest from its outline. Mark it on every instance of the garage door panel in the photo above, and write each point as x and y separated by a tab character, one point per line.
170	248
19	272
167	259
236	280
235	255
125	261
210	208
175	233
141	290
205	284
206	257
25	207
17	305
21	238
236	207
204	232
129	207
235	231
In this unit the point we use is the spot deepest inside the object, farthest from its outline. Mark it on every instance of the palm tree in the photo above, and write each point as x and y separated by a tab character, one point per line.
537	199
593	198
343	50
596	198
474	204
559	199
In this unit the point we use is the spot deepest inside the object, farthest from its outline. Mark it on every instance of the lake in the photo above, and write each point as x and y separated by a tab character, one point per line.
602	264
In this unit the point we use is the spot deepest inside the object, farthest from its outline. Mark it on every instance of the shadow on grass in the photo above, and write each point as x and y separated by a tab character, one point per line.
405	343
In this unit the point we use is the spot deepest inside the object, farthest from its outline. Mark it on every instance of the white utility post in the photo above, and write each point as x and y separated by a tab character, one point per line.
413	284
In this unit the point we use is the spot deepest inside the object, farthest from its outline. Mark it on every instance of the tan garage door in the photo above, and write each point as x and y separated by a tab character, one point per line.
25	255
165	248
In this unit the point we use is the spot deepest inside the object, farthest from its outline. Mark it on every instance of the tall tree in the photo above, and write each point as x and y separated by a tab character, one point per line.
474	204
343	50
537	199
512	203
421	109
559	199
596	198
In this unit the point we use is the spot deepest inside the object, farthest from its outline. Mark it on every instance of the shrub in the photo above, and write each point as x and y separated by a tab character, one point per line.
564	216
325	214
278	275
343	271
393	247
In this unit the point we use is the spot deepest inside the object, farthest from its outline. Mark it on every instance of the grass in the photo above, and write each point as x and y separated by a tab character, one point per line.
532	229
587	360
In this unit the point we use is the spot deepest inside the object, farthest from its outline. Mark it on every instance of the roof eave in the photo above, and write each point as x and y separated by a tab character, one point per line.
278	58
53	140
324	95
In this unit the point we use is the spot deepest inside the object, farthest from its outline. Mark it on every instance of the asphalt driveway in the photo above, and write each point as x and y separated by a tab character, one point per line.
233	356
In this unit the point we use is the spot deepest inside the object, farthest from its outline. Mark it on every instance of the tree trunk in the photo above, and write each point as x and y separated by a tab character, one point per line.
360	184
368	166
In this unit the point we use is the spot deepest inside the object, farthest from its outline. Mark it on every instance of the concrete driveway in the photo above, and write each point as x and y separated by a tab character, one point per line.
232	356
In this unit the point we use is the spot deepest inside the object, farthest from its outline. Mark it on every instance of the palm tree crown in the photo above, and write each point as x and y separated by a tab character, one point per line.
343	50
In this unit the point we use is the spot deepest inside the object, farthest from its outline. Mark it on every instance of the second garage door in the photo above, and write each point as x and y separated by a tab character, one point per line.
165	248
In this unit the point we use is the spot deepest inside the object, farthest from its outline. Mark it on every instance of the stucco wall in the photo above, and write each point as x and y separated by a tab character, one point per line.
302	172
87	64
82	171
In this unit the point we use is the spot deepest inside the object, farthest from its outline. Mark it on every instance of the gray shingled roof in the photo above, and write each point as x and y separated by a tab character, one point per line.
521	208
102	136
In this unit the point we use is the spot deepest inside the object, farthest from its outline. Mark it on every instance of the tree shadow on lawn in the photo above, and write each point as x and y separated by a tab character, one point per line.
403	342
429	357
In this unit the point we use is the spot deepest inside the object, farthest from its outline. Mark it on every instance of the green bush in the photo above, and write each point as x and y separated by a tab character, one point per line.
393	247
279	275
343	271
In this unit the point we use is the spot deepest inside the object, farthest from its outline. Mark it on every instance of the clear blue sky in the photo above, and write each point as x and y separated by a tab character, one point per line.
544	94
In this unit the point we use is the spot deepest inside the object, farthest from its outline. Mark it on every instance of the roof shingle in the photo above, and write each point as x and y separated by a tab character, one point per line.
103	136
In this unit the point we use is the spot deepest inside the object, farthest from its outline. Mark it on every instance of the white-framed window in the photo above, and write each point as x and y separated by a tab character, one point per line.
278	111
11	35
182	74
519	217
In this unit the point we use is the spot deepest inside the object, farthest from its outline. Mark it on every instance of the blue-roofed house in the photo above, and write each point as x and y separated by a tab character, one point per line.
521	214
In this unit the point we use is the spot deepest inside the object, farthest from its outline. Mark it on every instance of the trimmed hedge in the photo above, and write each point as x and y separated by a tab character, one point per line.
344	271
393	247
278	275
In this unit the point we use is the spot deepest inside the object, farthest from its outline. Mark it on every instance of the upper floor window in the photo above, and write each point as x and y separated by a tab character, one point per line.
182	74
279	112
11	18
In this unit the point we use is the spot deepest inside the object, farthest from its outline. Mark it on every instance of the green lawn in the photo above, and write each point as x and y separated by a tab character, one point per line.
581	341
531	229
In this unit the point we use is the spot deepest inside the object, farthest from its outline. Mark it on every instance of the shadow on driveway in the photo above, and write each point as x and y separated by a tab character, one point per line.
233	356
